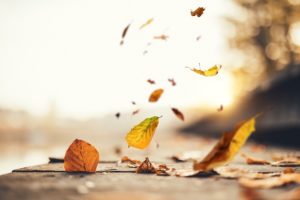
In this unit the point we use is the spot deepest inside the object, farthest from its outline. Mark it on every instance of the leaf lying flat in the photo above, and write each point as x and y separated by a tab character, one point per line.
271	182
214	70
254	161
155	95
141	135
227	147
198	12
81	157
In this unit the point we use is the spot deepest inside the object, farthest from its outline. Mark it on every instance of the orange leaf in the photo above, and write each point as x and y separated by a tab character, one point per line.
254	161
198	12
161	37
81	157
155	95
178	113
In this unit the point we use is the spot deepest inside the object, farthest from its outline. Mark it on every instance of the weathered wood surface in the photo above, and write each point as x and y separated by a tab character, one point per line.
112	181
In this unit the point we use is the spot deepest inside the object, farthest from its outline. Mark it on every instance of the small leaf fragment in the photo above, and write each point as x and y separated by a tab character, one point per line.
147	23
254	161
141	135
146	167
124	34
213	71
172	81
81	157
151	81
161	37
178	113
227	147
136	112
118	115
198	12
155	95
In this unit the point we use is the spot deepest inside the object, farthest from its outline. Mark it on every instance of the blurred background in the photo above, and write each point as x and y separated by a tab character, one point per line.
64	74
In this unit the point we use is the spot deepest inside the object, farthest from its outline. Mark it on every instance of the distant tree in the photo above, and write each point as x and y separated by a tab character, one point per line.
264	35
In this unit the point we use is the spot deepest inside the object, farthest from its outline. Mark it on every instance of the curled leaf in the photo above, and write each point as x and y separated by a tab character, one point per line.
147	23
141	135
81	157
198	12
178	113
146	167
172	81
155	95
124	34
214	70
227	147
151	81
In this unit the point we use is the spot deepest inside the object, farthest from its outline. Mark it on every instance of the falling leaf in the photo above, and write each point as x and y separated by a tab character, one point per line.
145	52
81	157
155	95
151	81
214	70
141	135
146	167
220	108
161	37
136	112
133	103
118	115
118	150
227	147
178	113
124	34
254	161
271	182
147	23
198	12
198	37
172	81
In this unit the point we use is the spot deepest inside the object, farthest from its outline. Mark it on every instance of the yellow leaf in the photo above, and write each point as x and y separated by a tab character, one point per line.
214	70
155	95
147	23
227	147
141	135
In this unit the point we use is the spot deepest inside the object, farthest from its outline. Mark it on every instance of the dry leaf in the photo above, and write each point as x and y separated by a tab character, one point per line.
147	23
155	95
254	161
118	150
214	70
198	12
81	157
141	135
131	163
288	170
162	170
227	147
271	182
124	34
220	108
133	103
151	81
146	167
172	81
118	115
136	112
161	37
286	163
178	113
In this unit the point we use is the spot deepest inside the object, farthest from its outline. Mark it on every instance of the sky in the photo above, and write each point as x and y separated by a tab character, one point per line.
66	53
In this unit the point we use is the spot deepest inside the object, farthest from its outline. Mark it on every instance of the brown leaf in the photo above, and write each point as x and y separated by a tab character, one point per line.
136	112
126	159
155	95
118	115
288	170
161	37
133	103
254	161
198	12
151	81
81	157
172	81
178	113
286	163
146	167
271	182
124	34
